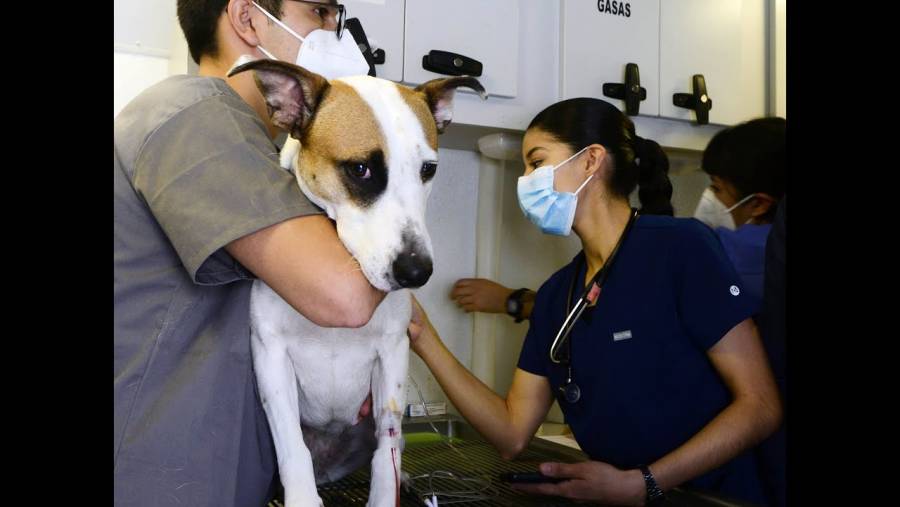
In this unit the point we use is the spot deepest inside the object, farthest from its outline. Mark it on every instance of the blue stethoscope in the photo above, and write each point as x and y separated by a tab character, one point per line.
570	390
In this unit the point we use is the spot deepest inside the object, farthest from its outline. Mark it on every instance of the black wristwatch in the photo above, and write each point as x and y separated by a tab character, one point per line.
655	496
514	305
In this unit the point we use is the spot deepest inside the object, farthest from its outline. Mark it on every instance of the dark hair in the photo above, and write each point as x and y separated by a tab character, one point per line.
584	121
752	157
200	18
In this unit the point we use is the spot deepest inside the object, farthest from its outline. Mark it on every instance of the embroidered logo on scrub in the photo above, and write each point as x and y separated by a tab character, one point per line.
622	335
734	290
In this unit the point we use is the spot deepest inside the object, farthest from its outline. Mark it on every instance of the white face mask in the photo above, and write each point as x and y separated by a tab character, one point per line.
323	53
713	213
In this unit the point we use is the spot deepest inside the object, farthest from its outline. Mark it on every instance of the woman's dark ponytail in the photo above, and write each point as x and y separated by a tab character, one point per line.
654	186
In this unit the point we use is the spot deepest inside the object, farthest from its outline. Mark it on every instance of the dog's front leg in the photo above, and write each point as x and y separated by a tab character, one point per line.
278	392
388	399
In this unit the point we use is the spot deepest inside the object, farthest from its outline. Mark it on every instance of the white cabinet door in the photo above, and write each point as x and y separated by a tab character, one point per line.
537	75
723	40
597	43
487	31
383	21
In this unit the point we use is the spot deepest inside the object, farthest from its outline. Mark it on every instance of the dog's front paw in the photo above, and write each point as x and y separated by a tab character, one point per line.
384	501
303	502
383	494
302	497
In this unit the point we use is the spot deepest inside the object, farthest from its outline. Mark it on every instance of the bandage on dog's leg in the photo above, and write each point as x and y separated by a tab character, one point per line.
394	462
388	382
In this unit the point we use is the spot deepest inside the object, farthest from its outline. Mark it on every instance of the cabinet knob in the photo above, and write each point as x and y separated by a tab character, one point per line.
378	56
630	91
451	64
698	101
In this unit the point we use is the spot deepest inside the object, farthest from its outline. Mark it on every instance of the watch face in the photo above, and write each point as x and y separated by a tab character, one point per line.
512	306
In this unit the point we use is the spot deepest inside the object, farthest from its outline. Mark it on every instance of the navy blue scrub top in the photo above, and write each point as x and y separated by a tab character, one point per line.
746	247
671	294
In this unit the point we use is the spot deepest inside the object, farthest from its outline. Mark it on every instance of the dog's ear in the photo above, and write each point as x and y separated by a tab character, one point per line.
439	93
292	93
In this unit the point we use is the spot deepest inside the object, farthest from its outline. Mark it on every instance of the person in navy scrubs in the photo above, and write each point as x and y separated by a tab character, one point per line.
662	378
747	166
772	453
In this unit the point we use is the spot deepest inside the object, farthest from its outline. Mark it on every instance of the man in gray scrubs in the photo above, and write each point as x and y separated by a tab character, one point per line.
201	209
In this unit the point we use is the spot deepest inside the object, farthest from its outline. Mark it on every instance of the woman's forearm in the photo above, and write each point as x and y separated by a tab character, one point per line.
743	424
486	411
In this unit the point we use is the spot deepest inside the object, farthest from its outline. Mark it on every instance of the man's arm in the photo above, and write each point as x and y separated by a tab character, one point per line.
304	261
483	295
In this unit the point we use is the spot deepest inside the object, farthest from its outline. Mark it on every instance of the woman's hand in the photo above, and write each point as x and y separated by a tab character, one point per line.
480	295
592	481
420	330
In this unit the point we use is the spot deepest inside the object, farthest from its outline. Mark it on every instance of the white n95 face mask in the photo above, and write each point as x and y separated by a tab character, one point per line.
323	53
713	213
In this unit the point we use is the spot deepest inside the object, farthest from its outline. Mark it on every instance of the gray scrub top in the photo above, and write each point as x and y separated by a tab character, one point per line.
194	170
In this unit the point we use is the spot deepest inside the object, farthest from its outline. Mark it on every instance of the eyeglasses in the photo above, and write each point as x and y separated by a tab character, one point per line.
332	11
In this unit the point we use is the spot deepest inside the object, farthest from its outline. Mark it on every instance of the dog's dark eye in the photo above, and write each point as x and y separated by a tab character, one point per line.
428	170
360	171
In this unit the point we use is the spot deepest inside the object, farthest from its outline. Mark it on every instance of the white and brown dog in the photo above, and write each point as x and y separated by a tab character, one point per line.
365	150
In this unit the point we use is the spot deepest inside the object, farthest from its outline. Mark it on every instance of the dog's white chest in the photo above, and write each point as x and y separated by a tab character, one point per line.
332	366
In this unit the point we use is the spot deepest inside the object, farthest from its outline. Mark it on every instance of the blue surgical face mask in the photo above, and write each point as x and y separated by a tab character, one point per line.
547	208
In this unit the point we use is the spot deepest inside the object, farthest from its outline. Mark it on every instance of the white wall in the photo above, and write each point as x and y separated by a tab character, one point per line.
451	219
133	73
779	58
149	46
145	23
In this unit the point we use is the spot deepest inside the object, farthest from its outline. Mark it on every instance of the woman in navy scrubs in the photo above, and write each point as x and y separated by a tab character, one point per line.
662	377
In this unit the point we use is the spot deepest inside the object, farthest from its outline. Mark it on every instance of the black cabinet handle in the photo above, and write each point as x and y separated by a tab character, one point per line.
355	28
451	64
698	101
630	91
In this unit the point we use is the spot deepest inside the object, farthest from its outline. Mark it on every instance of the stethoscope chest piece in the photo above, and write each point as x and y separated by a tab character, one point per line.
571	392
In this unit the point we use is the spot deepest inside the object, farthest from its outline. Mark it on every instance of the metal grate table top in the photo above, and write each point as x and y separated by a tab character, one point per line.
470	456
474	457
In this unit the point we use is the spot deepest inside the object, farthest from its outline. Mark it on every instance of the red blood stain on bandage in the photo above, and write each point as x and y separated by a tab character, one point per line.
394	463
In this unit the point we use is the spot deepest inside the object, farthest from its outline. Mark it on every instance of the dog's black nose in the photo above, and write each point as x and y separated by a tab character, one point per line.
411	269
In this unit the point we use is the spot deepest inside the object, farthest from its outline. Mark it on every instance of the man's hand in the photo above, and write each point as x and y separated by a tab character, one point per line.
480	295
591	481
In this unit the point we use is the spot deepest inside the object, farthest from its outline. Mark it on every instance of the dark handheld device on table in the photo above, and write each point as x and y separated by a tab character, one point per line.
529	478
